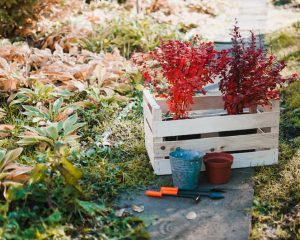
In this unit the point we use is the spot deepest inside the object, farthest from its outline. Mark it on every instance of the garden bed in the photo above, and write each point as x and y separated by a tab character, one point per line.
210	129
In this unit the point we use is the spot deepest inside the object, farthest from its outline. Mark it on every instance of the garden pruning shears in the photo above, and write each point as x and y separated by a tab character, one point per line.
159	194
213	193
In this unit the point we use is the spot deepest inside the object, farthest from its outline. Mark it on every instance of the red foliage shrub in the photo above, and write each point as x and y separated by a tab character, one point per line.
187	67
251	76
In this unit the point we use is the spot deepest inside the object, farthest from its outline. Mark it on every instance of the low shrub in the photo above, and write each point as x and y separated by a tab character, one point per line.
129	35
15	14
252	77
187	66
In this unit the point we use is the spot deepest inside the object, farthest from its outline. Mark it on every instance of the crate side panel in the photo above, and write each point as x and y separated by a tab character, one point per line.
258	158
162	166
217	144
241	160
214	124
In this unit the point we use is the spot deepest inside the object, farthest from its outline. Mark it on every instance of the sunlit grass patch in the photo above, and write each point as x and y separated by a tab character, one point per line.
276	207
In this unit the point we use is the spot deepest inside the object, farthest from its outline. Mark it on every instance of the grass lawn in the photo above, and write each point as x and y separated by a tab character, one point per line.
276	212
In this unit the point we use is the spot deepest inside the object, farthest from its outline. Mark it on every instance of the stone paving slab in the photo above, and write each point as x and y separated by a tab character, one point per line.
228	218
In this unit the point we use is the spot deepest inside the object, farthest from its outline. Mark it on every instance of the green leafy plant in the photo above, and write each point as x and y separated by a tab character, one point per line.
96	97
39	93
11	174
56	135
57	139
54	113
57	162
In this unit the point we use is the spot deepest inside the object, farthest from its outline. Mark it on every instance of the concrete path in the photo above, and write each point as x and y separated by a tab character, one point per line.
228	218
260	16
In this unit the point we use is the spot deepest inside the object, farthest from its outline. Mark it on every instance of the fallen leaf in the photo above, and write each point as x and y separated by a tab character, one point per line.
100	72
191	215
120	212
137	208
107	92
5	130
2	113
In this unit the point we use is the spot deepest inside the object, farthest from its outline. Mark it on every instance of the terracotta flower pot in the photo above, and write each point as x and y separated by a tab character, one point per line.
218	166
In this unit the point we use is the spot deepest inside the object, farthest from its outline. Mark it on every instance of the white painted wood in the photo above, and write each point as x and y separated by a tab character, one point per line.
276	108
214	124
156	116
241	160
258	158
218	144
200	103
162	166
150	99
147	114
149	142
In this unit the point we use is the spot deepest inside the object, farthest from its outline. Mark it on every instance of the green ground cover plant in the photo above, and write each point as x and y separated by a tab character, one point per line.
129	35
74	179
277	193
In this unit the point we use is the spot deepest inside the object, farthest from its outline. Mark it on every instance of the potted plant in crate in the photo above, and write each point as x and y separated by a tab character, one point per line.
177	71
251	76
184	68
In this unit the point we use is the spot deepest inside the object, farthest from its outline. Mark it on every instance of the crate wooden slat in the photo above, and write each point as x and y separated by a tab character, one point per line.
204	132
214	124
241	160
217	144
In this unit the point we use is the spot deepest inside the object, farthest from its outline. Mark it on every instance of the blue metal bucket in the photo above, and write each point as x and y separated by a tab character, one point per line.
186	166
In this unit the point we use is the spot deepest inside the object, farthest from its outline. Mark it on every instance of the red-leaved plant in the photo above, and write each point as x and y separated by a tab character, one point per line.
187	68
251	77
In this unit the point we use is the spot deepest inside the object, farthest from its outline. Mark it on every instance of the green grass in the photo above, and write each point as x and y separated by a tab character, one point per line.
286	46
277	194
284	40
277	188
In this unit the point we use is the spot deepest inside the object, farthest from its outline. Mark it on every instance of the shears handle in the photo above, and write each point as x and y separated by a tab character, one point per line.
169	190
150	193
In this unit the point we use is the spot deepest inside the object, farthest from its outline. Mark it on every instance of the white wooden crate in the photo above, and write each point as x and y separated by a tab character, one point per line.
205	132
